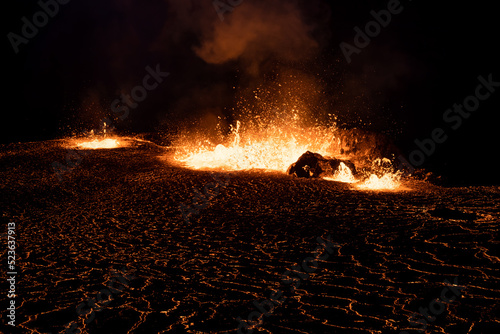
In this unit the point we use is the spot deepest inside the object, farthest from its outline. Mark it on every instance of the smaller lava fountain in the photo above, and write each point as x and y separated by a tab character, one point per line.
343	174
383	177
313	165
389	181
101	141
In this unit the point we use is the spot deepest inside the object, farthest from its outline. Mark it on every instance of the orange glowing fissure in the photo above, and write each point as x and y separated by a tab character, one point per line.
275	148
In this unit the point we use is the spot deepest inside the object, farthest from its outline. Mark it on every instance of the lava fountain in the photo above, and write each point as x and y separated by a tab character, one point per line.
274	147
99	143
343	174
384	177
271	148
277	124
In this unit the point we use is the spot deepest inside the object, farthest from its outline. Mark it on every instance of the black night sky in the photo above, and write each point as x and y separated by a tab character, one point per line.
429	57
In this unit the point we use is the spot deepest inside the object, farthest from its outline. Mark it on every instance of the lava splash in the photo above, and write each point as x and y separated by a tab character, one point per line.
276	147
99	143
272	148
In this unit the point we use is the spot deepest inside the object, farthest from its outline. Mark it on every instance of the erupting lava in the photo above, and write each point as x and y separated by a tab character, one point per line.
344	174
383	179
100	143
278	124
275	148
388	181
272	148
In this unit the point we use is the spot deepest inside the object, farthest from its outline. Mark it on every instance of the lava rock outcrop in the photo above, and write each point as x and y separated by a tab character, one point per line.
314	165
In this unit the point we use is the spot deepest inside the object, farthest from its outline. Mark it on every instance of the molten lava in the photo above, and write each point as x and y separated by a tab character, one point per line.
274	148
383	178
344	174
100	143
102	140
388	181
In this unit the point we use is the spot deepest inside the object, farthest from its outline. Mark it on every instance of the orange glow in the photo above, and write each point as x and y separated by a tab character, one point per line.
389	181
383	177
344	174
275	147
271	148
100	143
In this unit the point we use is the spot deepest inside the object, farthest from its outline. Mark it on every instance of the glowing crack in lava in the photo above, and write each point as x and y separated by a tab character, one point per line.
274	148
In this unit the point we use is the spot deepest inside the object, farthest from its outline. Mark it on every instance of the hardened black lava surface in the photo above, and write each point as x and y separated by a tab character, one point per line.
120	208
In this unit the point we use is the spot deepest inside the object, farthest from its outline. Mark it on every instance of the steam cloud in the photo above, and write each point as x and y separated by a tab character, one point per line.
257	30
256	39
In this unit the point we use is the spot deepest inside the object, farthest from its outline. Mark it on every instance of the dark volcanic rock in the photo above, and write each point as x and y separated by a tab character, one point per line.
315	165
447	213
